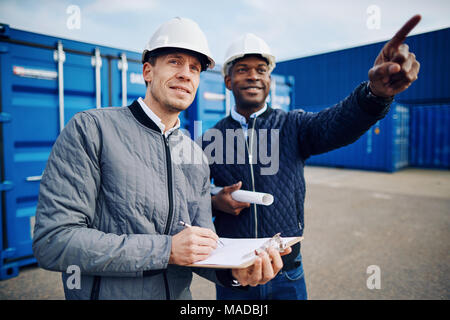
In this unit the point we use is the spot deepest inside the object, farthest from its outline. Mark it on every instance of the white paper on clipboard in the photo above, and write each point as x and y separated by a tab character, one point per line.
238	253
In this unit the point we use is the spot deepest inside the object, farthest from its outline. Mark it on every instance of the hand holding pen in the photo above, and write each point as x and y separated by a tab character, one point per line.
266	265
187	225
192	244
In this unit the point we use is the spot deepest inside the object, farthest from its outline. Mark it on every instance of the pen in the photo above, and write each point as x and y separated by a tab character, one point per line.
187	225
184	224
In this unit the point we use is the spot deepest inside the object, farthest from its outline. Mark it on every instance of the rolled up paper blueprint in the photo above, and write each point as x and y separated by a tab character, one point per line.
265	199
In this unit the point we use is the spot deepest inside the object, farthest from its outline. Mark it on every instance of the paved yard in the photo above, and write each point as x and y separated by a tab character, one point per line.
398	222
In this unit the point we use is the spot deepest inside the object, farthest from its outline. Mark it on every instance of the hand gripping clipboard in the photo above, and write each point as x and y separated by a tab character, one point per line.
241	253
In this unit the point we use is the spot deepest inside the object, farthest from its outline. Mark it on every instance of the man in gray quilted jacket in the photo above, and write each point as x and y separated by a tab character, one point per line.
119	182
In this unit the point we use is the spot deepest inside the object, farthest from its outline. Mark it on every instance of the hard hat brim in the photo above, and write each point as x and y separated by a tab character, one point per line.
231	60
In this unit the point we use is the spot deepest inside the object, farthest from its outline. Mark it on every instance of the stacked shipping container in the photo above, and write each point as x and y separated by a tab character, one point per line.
324	79
384	147
430	136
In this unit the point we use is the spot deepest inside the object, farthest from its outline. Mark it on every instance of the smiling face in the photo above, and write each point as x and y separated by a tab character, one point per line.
172	82
249	79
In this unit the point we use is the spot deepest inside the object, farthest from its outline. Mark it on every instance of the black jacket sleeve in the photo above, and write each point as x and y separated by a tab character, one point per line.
340	125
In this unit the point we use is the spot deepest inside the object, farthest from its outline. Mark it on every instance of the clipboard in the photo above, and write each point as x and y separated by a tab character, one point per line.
240	253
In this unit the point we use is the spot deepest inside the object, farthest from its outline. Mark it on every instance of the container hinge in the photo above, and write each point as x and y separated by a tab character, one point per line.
6	185
96	62
123	65
5	117
8	253
4	49
59	56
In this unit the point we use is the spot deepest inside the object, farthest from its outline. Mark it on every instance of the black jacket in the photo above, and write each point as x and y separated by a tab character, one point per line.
300	135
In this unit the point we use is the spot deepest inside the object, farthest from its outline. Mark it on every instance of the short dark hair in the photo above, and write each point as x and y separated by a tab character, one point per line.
151	56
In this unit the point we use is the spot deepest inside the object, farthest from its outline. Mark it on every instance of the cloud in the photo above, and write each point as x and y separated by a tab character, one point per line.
293	28
120	6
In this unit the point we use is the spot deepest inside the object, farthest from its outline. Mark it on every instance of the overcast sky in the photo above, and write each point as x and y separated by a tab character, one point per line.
292	28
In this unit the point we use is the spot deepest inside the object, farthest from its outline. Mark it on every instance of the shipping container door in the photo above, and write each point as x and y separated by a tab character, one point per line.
30	102
383	147
430	136
127	83
136	84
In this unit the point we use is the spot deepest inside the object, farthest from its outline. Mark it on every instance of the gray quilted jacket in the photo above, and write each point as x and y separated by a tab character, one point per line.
110	199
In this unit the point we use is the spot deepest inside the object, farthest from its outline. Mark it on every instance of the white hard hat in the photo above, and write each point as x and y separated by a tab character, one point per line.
180	33
247	44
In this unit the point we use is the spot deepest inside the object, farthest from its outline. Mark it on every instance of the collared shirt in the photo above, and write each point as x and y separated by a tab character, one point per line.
241	119
156	119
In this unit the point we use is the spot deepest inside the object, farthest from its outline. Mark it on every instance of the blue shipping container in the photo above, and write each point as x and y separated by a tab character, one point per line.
430	136
44	82
384	147
327	78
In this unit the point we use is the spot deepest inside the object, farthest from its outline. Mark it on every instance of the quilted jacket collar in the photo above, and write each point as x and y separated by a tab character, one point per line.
264	115
140	116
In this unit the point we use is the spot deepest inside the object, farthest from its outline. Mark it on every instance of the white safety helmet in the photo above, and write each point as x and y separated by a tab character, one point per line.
247	44
180	33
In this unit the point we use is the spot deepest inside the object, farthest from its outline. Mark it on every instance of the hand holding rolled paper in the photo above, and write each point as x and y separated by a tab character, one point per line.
231	200
265	199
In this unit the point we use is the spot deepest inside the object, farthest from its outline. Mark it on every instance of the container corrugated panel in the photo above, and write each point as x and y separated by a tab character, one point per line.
384	147
430	136
30	120
281	92
325	79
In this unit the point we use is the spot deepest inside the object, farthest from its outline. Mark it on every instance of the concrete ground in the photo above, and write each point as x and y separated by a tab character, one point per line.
399	223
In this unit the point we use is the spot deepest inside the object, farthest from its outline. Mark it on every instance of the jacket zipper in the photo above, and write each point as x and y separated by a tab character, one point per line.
95	288
169	185
170	216
250	159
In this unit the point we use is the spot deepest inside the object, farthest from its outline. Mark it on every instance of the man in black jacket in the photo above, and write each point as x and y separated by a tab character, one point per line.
291	137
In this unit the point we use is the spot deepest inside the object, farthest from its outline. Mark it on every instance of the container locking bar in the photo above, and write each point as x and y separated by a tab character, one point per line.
96	62
273	95
227	101
123	65
59	56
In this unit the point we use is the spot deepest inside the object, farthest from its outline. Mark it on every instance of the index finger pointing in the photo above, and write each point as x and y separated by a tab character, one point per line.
401	34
